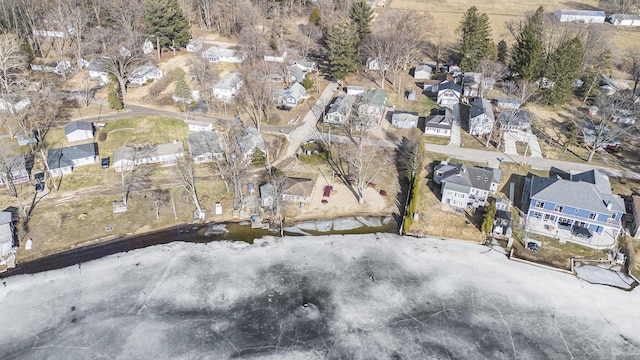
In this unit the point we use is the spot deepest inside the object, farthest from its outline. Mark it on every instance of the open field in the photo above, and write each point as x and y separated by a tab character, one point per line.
446	15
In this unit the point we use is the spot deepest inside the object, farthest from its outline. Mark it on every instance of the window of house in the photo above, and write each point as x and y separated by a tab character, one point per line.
558	208
537	214
549	217
539	204
593	216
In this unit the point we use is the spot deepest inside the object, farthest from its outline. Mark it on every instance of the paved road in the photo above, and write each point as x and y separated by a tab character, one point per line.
307	129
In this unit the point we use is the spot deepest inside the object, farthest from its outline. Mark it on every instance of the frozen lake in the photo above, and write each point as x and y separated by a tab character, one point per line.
376	296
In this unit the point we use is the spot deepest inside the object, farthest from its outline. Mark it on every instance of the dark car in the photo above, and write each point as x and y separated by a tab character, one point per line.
39	186
532	246
105	162
582	232
38	177
284	107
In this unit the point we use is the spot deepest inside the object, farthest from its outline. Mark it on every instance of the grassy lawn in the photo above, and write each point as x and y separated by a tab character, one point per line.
142	131
521	147
476	142
438	140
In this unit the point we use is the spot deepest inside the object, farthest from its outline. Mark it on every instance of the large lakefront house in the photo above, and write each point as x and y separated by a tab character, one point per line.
578	207
463	185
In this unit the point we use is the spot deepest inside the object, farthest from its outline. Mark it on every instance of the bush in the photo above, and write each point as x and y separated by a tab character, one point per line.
102	136
412	206
307	82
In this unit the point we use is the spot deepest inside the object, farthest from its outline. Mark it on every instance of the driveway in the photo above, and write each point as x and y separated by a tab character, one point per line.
511	138
455	127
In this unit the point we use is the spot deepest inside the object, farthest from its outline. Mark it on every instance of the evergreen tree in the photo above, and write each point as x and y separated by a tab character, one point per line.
342	41
114	95
489	215
527	53
166	22
563	69
361	14
307	82
592	76
182	89
476	39
503	51
314	17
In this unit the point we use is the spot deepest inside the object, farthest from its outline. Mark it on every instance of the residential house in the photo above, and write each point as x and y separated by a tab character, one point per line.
199	125
249	141
404	119
508	104
340	110
296	73
422	72
607	85
25	139
7	233
147	47
581	203
304	64
630	20
440	124
589	137
515	120
463	185
205	146
502	224
15	169
98	70
228	87
194	46
375	64
62	161
143	73
372	107
355	90
275	56
448	94
217	55
51	66
293	94
472	81
297	189
78	131
267	195
125	158
583	16
12	108
481	117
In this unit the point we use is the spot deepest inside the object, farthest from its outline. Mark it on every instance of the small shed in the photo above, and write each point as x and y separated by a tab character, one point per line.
355	90
422	72
411	95
404	119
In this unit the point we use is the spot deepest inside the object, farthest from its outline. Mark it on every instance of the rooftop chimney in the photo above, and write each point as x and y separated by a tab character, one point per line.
609	205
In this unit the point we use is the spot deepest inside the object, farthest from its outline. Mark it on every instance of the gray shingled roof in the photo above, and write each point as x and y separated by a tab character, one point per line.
441	121
203	143
297	91
481	106
229	82
251	139
469	176
449	85
77	125
520	118
98	65
589	190
59	158
342	105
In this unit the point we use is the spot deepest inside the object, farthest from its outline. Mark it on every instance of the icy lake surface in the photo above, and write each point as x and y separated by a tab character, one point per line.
376	296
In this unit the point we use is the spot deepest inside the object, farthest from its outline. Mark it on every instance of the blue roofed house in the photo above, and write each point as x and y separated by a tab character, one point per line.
463	185
293	94
340	110
404	119
579	208
62	161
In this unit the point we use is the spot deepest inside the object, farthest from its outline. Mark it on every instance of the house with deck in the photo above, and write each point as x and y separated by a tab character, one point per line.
340	110
62	161
481	117
297	189
15	169
205	146
462	186
577	207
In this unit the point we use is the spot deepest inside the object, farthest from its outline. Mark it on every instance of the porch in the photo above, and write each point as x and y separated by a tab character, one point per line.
605	240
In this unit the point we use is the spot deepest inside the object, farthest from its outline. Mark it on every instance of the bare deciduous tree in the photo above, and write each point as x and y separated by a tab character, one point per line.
632	65
253	44
491	71
602	131
201	71
9	165
12	61
234	166
122	60
186	174
256	97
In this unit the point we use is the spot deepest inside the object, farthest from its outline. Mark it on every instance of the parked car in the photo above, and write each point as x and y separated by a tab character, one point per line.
284	108
105	162
38	177
39	186
532	246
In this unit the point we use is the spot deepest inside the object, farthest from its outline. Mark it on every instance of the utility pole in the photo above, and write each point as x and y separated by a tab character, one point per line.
46	164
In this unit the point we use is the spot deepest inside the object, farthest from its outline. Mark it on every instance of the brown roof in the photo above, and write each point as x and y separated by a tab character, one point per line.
298	187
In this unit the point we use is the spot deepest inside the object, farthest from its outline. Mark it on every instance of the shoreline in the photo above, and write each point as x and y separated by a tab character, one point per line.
185	232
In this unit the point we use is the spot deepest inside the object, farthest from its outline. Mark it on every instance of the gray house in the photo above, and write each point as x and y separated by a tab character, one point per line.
6	233
267	195
340	110
439	125
422	72
448	94
515	120
481	117
204	146
404	119
463	185
62	161
126	157
293	94
249	141
371	109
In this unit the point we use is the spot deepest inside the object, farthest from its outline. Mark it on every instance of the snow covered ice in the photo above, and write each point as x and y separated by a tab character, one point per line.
376	296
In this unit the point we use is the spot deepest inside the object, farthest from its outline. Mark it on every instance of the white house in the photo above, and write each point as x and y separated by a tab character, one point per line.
25	139
463	185
147	47
273	56
404	119
508	104
98	70
228	87
630	20
62	161
194	46
267	195
481	117
199	125
298	190
78	131
439	125
14	169
12	108
6	233
448	94
372	107
375	64
515	120
304	64
355	90
204	147
422	72
294	94
249	141
583	16
126	157
143	73
296	73
340	110
215	55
